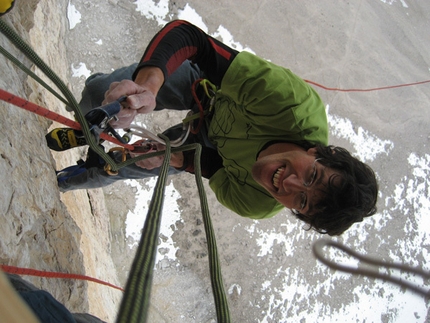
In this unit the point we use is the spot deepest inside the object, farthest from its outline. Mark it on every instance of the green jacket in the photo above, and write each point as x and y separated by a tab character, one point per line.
259	102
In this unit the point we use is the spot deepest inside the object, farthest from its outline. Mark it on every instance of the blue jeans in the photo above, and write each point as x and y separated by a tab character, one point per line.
175	94
45	306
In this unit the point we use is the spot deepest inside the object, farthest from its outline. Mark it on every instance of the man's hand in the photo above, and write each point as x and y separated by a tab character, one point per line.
176	160
139	100
140	95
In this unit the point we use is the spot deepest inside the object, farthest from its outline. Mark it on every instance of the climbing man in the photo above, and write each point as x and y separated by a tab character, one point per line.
265	146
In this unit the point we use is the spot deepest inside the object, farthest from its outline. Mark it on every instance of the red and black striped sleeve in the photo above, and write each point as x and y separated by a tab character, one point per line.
178	41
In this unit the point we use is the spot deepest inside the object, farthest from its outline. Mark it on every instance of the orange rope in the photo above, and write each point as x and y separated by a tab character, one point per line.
52	274
365	90
32	107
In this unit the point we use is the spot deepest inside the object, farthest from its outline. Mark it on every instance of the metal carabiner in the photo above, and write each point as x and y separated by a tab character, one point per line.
107	168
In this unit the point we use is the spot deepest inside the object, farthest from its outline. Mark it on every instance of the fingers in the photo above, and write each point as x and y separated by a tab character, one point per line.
124	118
139	100
149	163
119	89
138	97
153	162
176	159
143	102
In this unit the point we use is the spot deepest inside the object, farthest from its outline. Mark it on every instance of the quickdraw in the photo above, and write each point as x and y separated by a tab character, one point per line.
139	147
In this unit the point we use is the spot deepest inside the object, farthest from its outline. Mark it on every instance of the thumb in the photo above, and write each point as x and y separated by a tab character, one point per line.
142	102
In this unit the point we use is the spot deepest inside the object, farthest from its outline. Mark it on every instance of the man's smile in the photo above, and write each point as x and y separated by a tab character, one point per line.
277	176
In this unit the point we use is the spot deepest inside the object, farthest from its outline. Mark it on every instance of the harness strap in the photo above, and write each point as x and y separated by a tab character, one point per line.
209	90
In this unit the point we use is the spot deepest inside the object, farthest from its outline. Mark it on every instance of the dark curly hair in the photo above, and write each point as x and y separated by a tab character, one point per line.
347	200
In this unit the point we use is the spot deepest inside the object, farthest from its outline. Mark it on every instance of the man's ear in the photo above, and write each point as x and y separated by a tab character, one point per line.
312	151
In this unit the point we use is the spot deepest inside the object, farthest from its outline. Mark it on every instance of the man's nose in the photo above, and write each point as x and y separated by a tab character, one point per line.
293	184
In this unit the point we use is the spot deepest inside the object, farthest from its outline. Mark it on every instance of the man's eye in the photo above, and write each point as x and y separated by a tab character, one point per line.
314	175
303	199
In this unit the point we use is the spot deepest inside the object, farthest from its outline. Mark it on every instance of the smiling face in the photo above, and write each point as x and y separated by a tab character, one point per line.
292	176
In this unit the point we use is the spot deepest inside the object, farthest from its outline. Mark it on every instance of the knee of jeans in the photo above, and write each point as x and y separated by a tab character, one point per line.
92	77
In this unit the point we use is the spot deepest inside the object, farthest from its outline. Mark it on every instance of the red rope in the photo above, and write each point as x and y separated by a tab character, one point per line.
365	90
199	105
29	106
52	274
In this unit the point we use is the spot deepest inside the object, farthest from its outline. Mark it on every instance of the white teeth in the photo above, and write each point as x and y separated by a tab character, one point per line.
275	178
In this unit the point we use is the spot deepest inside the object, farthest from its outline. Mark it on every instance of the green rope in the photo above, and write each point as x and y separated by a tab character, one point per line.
141	268
31	73
221	304
72	103
135	303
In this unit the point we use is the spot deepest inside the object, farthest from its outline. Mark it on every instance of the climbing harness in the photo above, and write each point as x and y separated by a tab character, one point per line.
135	303
373	272
204	102
209	93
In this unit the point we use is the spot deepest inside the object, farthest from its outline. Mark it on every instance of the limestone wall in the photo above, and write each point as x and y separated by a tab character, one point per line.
38	230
